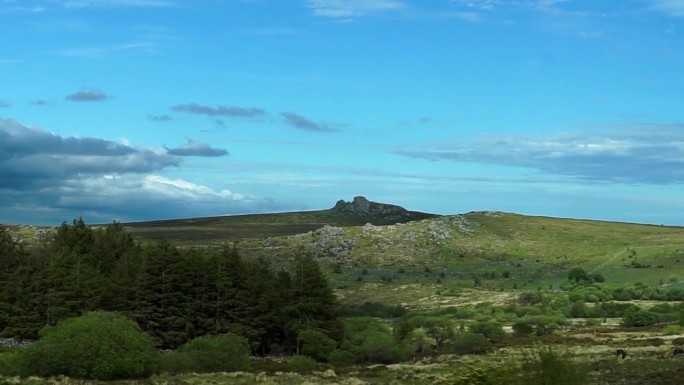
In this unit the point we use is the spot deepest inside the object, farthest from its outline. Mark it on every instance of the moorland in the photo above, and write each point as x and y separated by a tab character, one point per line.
360	293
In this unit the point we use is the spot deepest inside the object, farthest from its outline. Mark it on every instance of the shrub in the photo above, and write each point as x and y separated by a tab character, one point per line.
315	344
222	353
546	366
97	345
491	330
522	329
470	343
530	298
371	341
340	358
635	316
176	362
303	364
672	330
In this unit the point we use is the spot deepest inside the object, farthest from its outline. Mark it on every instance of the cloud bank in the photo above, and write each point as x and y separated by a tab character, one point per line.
652	154
46	178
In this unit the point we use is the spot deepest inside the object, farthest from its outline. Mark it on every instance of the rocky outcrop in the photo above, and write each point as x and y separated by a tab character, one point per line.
362	206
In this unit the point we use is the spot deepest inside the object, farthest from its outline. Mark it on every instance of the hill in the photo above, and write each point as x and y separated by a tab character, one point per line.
490	249
236	227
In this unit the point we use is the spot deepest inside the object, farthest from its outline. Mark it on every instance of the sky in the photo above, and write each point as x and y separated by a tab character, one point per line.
134	110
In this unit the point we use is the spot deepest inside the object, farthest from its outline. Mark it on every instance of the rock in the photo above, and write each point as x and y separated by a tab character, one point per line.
362	206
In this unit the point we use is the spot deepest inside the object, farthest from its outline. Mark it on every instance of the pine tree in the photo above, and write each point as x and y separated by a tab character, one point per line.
161	300
313	305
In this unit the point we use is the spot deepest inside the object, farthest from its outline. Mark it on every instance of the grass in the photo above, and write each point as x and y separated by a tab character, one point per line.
236	227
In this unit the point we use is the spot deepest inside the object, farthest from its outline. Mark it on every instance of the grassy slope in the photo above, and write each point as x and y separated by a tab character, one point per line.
230	228
444	254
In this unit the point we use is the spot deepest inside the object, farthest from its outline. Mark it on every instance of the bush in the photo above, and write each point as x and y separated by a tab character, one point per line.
222	353
635	316
672	330
522	329
545	366
176	362
97	345
341	358
315	344
303	364
470	343
371	341
491	330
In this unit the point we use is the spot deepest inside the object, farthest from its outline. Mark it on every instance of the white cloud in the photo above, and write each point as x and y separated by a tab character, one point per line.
117	3
353	8
178	188
671	7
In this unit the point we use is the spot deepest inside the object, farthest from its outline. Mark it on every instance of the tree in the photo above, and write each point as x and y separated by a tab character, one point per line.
313	303
440	329
162	305
577	275
97	345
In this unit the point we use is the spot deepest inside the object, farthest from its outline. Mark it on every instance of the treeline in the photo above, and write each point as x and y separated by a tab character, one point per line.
173	294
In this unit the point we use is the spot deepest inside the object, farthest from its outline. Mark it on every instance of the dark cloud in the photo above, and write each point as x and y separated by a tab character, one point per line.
426	119
303	123
87	96
220	123
4	104
46	178
39	102
194	148
30	157
159	118
229	111
651	154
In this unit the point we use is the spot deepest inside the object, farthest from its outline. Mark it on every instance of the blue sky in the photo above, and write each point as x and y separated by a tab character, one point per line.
148	109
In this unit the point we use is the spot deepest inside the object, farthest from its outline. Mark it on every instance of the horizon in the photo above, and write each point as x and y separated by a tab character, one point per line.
140	110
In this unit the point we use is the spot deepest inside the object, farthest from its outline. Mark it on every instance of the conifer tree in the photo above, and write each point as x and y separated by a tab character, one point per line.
313	305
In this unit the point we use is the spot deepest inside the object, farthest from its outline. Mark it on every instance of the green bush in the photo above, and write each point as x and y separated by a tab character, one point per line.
222	353
491	330
545	366
341	358
635	316
373	342
470	343
522	329
303	364
672	330
97	345
176	362
315	344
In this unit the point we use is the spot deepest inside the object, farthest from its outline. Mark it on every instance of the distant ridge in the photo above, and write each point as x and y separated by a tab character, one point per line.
358	212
